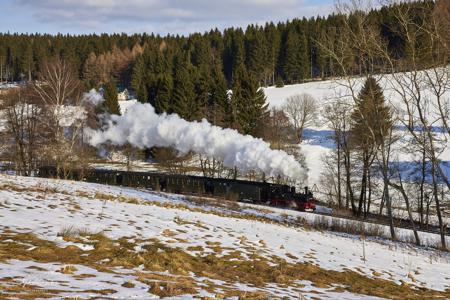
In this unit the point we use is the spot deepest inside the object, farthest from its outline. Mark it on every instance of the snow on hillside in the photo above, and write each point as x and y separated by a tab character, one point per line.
318	141
157	244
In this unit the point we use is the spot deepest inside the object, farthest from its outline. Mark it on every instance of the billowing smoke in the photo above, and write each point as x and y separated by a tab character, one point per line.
142	127
93	97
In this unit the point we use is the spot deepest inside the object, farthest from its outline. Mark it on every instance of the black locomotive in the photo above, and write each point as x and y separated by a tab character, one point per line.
239	190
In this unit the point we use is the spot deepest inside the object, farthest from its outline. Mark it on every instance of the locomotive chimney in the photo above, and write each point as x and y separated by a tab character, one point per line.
306	190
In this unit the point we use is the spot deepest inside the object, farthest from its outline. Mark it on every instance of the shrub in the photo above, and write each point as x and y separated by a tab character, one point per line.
279	83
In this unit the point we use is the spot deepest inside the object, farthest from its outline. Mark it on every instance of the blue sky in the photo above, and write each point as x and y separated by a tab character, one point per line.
158	16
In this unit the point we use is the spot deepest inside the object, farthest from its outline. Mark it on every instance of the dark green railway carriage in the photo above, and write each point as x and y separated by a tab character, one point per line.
241	190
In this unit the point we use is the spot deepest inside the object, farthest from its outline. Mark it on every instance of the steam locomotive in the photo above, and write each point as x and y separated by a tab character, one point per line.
239	190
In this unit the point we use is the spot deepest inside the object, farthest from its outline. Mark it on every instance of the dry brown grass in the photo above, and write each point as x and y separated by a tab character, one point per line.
217	202
128	284
230	268
346	226
11	289
103	196
68	269
75	234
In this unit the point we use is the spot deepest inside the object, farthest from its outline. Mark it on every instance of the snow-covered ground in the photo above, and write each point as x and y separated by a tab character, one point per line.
209	236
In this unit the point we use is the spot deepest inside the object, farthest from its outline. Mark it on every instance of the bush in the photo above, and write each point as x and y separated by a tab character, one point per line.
279	83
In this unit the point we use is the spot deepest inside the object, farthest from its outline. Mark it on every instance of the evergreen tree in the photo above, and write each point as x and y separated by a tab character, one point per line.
163	94
200	51
27	61
138	81
371	124
372	117
203	83
233	47
256	53
237	51
304	57
91	72
273	38
292	64
220	107
183	96
111	104
248	103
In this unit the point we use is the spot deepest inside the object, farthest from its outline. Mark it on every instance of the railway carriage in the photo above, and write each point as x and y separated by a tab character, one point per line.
240	190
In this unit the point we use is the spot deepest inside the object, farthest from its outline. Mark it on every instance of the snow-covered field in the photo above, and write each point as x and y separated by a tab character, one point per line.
93	240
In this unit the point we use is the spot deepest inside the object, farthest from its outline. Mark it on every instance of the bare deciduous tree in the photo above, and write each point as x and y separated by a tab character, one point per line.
60	91
277	129
301	110
337	114
21	139
422	90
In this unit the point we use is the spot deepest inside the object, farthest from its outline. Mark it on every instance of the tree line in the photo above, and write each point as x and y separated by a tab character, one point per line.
192	75
286	52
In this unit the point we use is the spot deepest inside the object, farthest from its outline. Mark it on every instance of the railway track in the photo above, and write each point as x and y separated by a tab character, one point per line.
383	220
398	223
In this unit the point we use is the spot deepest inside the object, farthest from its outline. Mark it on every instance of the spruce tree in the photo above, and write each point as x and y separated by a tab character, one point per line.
256	53
372	117
220	106
203	83
273	38
238	51
163	94
183	96
371	124
248	103
139	81
27	62
111	104
304	57
292	64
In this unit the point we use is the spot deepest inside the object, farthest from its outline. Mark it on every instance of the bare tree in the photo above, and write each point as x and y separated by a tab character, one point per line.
211	167
60	91
422	90
277	129
337	115
358	47
302	111
21	138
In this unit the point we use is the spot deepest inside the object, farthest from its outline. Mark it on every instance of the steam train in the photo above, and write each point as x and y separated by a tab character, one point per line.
239	190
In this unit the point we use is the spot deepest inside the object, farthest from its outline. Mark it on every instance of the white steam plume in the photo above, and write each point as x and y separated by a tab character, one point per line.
142	127
93	97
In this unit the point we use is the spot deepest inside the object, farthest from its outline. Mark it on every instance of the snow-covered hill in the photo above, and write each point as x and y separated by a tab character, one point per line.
74	239
318	142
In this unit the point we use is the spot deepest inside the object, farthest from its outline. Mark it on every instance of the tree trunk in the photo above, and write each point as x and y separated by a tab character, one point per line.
389	209
422	183
370	195
362	194
401	189
339	173
349	185
438	206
